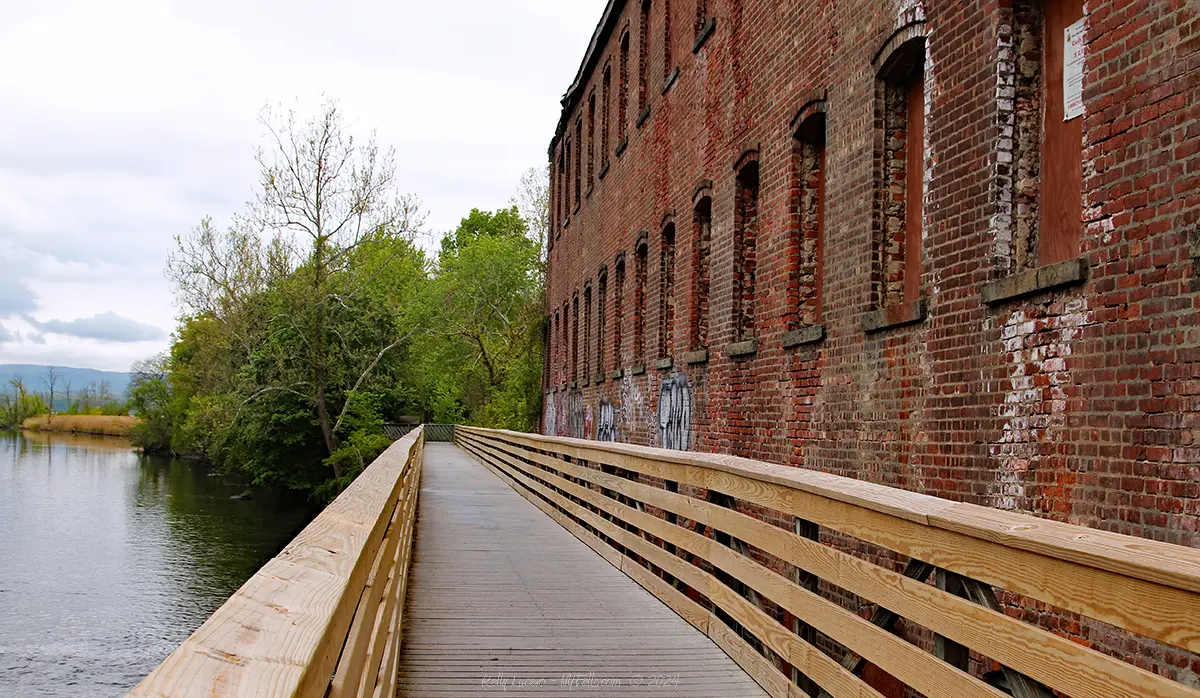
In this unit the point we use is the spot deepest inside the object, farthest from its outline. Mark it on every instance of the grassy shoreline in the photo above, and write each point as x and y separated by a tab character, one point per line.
101	425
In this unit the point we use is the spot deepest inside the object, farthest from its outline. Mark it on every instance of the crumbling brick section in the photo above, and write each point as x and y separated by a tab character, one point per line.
745	249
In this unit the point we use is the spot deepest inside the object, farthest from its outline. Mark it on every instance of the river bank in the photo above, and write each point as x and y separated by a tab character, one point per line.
100	425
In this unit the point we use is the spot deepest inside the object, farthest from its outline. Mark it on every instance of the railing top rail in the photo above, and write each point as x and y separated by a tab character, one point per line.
1162	563
281	633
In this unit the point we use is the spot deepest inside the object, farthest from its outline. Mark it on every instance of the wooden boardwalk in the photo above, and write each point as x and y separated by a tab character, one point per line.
503	601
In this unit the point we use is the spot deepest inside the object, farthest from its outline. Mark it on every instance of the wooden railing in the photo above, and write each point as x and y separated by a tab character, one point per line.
324	617
765	587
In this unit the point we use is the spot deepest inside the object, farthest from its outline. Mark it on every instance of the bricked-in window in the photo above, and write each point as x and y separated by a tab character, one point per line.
623	90
586	348
554	348
591	170
618	310
639	302
644	57
666	291
745	249
701	247
605	97
900	115
578	162
555	200
565	351
667	63
808	228
547	342
567	182
601	319
1045	184
575	338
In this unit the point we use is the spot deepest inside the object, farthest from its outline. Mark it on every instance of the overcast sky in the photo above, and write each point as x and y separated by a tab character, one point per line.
123	122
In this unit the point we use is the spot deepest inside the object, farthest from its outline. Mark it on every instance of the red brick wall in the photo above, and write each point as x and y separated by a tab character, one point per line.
1080	403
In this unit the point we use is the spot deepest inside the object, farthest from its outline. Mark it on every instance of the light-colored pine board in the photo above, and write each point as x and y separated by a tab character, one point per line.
281	634
1054	660
525	582
954	537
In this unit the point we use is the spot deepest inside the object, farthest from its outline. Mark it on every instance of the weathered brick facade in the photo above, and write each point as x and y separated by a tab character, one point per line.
997	355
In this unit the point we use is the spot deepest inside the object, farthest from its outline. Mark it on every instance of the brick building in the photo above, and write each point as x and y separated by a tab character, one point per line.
947	246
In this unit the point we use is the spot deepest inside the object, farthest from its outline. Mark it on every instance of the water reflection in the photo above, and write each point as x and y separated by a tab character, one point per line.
109	559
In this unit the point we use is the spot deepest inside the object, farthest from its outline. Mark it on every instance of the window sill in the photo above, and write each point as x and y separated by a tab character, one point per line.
637	370
599	377
1025	283
643	116
621	147
571	386
702	37
671	78
566	223
588	194
664	364
576	209
809	334
739	349
895	316
617	374
603	170
700	356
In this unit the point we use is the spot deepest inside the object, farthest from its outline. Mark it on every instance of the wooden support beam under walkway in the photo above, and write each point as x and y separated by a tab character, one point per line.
504	601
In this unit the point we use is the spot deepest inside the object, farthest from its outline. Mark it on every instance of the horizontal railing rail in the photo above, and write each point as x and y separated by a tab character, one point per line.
322	618
765	559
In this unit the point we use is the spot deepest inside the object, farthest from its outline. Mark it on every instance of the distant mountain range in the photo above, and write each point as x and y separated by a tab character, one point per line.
79	378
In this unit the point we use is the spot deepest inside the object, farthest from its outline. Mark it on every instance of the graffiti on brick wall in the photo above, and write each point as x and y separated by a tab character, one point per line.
576	423
675	414
606	421
633	409
548	415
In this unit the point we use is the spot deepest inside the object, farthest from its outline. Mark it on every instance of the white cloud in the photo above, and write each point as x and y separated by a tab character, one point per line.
105	327
122	123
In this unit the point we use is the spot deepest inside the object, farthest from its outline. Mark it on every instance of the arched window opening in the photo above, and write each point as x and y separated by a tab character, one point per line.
606	97
702	232
667	62
618	312
578	163
639	302
591	150
575	339
666	292
644	57
623	90
586	348
601	320
745	252
806	251
900	176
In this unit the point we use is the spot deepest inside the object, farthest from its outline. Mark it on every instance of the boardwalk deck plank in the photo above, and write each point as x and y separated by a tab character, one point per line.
498	589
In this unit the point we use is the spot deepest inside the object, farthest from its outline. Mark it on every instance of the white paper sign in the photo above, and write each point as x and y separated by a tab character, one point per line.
1073	51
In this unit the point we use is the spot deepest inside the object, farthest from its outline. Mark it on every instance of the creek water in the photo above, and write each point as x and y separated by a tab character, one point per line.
109	559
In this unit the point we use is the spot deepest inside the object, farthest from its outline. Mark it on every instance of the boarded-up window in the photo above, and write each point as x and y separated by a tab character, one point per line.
1062	144
586	349
591	152
900	172
575	339
623	89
